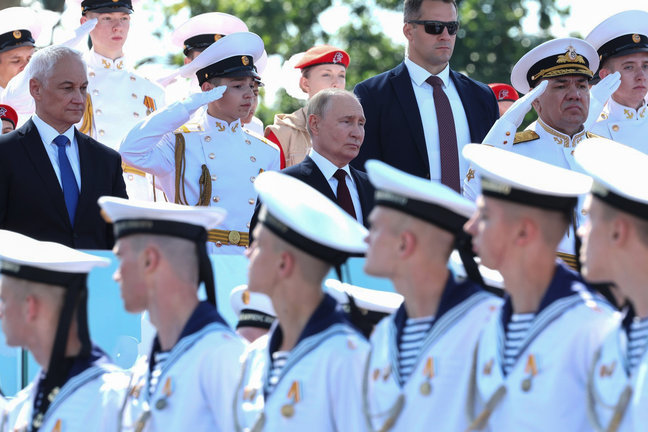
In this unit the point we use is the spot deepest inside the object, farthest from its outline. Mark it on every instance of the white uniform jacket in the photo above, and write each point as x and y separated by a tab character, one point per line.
433	398
612	389
117	100
89	400
546	388
622	124
541	142
195	388
319	387
233	156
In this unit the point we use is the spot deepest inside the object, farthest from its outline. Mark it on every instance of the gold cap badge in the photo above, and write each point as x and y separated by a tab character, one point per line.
245	60
17	34
636	38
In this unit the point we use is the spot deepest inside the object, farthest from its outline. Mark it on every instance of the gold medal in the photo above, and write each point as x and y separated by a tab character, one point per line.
526	384
426	388
287	411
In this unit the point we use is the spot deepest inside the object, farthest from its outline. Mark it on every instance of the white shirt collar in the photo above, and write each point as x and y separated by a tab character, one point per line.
210	123
618	112
97	61
419	74
326	166
48	133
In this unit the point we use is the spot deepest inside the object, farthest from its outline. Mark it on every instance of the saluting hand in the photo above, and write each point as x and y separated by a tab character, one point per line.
504	129
81	33
196	100
599	95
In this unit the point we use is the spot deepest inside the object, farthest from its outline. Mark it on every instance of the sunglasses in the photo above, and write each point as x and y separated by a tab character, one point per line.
436	27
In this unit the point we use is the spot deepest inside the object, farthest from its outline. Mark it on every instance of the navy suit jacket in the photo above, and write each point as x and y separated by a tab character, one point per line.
394	131
308	172
31	198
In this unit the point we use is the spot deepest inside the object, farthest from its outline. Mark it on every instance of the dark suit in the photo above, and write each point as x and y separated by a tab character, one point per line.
308	172
394	131
31	198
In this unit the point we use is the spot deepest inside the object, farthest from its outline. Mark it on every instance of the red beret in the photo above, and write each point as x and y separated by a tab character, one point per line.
323	54
504	92
8	113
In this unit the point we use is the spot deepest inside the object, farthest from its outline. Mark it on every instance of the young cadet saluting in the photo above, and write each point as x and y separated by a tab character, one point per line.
187	382
306	373
43	309
420	365
218	164
531	363
615	249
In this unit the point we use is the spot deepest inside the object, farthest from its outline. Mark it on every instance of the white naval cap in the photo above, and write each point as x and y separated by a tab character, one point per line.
305	218
200	31
523	180
433	202
618	171
554	58
230	56
370	300
253	309
621	34
159	218
19	26
45	262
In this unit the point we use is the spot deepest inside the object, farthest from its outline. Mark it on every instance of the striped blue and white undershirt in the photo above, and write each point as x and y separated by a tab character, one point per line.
279	359
410	343
637	338
516	330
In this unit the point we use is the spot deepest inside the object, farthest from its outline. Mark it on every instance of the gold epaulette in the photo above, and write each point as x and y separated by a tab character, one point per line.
261	138
189	127
593	135
525	136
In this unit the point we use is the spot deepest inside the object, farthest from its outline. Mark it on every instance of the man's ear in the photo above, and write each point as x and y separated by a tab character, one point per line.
304	84
604	72
35	89
407	31
206	86
313	124
83	19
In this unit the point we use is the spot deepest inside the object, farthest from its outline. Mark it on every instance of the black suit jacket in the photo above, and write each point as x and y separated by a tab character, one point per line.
308	172
31	198
394	131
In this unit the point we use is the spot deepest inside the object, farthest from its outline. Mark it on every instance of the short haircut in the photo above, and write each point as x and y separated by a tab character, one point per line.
319	104
43	61
412	8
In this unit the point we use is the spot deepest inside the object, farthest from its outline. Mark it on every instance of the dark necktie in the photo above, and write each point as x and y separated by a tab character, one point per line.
343	195
68	181
447	135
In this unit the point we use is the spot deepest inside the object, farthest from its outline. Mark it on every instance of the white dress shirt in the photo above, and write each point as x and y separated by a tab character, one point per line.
329	169
47	134
425	101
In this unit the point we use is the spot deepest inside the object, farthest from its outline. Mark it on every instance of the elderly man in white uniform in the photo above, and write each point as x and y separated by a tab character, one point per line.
43	297
306	373
420	356
622	44
555	75
218	163
615	249
530	367
187	381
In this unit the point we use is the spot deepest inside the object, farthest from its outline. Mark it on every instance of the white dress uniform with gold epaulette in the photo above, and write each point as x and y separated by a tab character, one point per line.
118	99
541	142
193	388
625	125
545	389
319	386
90	401
228	154
612	386
435	393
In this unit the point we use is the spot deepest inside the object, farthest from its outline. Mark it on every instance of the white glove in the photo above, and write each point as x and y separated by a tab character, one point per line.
196	100
599	95
81	33
503	131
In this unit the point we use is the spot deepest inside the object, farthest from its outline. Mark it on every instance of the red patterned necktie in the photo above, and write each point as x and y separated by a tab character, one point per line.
343	195
447	135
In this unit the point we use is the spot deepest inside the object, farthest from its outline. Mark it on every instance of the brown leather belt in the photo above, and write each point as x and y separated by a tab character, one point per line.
223	237
569	259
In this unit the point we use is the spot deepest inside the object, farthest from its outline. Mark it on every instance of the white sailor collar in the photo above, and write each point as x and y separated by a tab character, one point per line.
213	124
614	111
559	137
419	74
97	61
